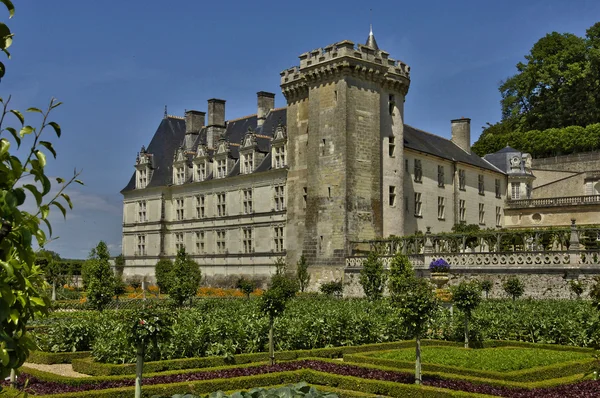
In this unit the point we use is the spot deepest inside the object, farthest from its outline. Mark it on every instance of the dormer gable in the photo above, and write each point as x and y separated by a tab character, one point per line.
180	166
202	164
222	162
279	147
144	166
249	156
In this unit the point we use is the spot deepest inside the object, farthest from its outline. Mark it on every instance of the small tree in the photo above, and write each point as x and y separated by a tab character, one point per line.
467	296
52	265
98	278
185	278
120	265
486	286
302	273
162	273
280	266
333	288
373	277
273	303
246	286
415	300
513	287
577	287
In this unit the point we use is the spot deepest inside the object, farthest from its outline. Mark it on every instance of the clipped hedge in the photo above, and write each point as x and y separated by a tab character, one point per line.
89	367
50	358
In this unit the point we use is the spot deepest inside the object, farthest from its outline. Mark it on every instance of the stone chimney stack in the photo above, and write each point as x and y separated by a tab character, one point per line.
266	102
216	121
461	133
194	121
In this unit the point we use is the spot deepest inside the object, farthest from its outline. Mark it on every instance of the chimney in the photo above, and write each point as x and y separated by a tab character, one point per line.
215	128
461	133
216	112
266	102
194	121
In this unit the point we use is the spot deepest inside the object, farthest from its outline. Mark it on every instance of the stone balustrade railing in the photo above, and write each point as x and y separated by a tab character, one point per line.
552	202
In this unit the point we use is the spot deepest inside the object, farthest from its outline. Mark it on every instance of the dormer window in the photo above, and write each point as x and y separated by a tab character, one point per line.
248	163
279	157
179	175
201	171
142	178
221	168
143	166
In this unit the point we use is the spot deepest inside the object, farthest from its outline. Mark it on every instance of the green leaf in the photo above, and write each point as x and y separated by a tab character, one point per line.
14	133
11	8
4	146
19	115
33	189
79	182
5	35
20	195
37	301
45	220
25	130
55	104
46	185
60	180
32	109
56	128
61	208
68	199
41	158
45	211
49	147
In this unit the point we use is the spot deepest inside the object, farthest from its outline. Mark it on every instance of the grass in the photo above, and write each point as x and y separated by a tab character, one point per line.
500	359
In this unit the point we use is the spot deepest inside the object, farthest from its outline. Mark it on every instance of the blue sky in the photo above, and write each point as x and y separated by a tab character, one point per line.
116	64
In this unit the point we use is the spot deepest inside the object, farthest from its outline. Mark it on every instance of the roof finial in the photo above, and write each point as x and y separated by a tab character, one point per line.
166	115
370	22
371	42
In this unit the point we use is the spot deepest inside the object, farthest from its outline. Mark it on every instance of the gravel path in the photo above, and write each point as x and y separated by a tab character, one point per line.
63	369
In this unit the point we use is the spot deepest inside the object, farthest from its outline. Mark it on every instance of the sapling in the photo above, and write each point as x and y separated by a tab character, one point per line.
466	297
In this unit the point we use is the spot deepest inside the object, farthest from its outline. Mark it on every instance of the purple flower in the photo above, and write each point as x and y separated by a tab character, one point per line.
439	265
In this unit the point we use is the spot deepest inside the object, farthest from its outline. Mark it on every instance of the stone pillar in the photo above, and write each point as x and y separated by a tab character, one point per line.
574	239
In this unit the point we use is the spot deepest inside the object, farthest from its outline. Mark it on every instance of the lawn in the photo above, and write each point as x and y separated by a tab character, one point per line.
500	359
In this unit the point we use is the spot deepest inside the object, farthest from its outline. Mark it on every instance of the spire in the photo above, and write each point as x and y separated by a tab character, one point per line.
371	42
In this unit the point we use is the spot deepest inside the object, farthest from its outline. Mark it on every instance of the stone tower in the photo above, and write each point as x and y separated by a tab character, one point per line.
345	119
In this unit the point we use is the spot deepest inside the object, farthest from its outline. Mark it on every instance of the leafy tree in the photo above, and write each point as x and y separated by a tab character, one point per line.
486	286
163	273
21	281
120	265
400	271
273	302
98	279
53	268
514	287
577	287
333	288
246	286
373	277
467	297
185	278
302	273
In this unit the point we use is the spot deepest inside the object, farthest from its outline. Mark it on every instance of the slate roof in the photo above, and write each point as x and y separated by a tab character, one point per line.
501	160
432	144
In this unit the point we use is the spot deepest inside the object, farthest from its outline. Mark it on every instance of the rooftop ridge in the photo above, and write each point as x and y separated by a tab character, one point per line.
241	118
427	132
175	117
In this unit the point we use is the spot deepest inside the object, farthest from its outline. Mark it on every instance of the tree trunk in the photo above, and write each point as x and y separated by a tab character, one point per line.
138	371
271	345
13	379
54	290
418	362
466	331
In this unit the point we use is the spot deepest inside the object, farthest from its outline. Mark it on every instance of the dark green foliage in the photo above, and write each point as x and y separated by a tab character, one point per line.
595	293
291	391
119	265
466	296
486	286
577	287
185	278
373	277
246	286
302	273
98	277
274	299
514	287
400	273
162	273
333	288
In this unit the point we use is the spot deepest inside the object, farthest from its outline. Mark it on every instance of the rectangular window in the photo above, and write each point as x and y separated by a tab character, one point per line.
179	209
200	208
141	245
142	178
498	216
200	242
221	242
221	205
279	197
179	175
462	180
248	166
142	211
481	214
392	146
440	176
514	191
247	201
418	171
480	185
498	188
417	204
441	207
247	240
462	210
179	241
221	168
201	171
278	236
280	157
305	196
392	196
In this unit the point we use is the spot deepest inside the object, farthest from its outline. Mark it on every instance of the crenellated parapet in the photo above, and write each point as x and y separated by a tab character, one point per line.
342	59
